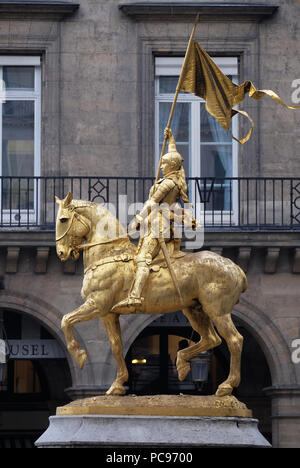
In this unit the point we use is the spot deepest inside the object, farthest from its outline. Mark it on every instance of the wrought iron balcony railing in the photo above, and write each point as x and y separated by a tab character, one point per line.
28	203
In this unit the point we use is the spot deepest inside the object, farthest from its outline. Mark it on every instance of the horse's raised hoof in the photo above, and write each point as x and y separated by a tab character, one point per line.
224	390
183	369
116	389
81	358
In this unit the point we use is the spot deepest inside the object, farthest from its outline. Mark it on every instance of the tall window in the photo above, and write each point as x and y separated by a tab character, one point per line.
20	129
208	150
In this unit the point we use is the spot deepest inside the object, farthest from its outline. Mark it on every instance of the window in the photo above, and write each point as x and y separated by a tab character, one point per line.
208	150
20	130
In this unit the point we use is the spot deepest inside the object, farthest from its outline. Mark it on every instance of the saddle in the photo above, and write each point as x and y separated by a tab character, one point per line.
158	262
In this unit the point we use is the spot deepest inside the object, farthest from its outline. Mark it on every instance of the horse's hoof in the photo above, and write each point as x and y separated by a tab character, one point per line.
183	370
81	358
116	389
224	390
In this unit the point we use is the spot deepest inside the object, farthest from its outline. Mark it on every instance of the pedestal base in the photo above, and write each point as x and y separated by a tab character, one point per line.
117	431
163	421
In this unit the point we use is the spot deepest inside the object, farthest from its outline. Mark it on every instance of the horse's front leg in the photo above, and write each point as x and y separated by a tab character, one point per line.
86	311
112	326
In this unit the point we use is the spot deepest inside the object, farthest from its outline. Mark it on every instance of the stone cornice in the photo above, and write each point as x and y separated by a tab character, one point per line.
256	239
208	11
212	239
283	391
44	9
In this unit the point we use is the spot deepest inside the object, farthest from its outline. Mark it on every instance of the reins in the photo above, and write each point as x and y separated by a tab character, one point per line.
85	246
93	244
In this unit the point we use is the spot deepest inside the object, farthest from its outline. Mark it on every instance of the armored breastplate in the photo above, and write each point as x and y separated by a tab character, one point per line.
172	196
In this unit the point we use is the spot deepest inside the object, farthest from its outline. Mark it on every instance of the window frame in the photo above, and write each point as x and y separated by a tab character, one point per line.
35	95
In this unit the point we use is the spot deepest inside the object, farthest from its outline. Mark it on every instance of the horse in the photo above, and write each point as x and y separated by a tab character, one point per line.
210	285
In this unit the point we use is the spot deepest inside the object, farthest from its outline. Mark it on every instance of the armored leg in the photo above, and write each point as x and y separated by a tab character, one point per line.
141	277
147	251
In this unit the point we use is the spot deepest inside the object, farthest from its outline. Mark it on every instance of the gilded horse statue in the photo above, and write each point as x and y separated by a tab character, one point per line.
210	286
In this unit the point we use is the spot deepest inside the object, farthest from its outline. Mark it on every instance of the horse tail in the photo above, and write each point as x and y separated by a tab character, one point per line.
244	281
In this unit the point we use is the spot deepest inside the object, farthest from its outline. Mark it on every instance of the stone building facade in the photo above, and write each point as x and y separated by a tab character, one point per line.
96	122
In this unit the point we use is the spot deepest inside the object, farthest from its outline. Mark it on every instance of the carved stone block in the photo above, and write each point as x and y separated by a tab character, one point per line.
244	257
12	259
296	263
42	254
271	259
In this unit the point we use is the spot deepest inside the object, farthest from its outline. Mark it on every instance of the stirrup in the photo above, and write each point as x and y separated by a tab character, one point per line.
131	304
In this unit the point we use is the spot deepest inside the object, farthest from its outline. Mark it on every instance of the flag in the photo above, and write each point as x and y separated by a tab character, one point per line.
202	77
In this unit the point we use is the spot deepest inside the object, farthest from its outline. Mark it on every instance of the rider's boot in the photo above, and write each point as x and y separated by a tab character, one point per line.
134	300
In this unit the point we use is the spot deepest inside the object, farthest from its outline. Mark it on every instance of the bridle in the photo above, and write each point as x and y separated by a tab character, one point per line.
76	248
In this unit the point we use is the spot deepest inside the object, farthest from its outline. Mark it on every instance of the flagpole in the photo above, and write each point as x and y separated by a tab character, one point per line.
176	95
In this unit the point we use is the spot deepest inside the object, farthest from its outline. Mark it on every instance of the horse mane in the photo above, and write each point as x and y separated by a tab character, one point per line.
94	205
83	203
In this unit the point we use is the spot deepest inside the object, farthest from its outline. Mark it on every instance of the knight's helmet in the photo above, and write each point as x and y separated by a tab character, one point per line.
176	157
172	153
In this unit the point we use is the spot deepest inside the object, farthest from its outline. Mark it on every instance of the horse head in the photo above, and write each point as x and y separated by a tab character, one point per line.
71	228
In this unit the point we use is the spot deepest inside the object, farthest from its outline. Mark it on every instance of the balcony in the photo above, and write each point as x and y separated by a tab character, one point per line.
231	204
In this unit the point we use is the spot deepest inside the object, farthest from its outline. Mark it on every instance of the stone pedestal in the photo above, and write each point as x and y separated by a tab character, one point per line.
162	421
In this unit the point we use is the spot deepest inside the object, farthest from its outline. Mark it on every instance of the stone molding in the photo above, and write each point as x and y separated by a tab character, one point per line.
278	391
283	392
241	247
220	239
36	308
209	11
44	9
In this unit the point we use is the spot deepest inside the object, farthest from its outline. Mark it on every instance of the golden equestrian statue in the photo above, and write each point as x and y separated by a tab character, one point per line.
120	278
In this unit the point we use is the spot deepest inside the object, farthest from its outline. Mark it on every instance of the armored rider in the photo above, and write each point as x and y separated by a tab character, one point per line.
156	223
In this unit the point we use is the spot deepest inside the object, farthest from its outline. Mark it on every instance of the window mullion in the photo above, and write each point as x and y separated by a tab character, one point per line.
37	122
195	156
